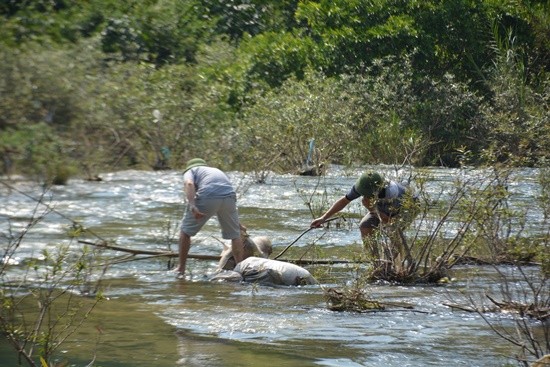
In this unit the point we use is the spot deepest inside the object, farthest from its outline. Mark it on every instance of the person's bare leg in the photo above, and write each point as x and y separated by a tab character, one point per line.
184	245
238	250
366	232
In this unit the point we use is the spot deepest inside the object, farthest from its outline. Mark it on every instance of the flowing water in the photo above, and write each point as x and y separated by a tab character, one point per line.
151	318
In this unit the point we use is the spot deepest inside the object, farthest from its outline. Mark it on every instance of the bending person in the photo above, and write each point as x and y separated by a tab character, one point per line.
208	192
383	200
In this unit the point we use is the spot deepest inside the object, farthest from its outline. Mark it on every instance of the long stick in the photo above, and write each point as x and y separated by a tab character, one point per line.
148	252
300	236
153	254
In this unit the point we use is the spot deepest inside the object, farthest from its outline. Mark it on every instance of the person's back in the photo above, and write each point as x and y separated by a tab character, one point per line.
210	182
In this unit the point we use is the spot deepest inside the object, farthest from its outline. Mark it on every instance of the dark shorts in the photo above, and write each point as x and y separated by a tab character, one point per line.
371	220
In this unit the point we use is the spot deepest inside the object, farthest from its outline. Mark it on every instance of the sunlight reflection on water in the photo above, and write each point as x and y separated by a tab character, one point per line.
253	324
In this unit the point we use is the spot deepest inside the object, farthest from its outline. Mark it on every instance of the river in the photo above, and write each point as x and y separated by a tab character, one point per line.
151	318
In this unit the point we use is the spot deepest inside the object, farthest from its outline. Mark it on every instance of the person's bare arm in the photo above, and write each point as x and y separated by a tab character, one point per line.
335	208
190	191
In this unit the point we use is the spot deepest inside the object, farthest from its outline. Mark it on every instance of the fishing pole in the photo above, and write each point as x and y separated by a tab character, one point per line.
300	236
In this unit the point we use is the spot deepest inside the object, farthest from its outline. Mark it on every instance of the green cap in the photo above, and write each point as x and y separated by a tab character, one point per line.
369	183
195	162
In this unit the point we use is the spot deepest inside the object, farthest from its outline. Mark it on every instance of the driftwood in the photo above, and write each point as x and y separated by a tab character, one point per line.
531	310
153	254
539	313
356	300
472	260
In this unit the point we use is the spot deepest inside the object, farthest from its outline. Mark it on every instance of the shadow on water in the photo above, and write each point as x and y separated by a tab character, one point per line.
199	351
120	332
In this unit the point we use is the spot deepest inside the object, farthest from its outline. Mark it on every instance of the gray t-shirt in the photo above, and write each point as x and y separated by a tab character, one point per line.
209	182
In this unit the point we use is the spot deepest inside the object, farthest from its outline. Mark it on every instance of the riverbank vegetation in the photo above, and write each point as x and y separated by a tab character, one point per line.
94	86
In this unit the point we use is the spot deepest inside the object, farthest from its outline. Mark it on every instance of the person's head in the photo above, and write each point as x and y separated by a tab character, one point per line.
195	162
369	183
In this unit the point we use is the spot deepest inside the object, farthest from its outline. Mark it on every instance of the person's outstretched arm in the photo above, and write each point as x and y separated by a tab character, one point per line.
335	208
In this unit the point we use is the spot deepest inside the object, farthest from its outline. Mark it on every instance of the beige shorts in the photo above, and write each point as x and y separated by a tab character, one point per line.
224	208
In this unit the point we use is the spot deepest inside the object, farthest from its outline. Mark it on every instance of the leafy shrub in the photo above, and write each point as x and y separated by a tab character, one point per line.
276	131
517	115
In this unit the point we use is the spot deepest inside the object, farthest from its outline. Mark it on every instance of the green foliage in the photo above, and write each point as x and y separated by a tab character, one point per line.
275	57
388	133
498	226
40	106
275	131
164	32
237	18
448	116
156	115
38	152
33	90
350	33
120	36
415	119
97	116
517	117
150	83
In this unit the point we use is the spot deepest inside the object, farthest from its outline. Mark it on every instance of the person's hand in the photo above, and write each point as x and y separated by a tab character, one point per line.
317	223
196	212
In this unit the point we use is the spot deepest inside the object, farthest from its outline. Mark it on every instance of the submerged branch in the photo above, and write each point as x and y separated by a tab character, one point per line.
154	254
540	314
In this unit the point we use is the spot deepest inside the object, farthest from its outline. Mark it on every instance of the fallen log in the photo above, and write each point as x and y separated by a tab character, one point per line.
107	246
153	253
321	261
539	313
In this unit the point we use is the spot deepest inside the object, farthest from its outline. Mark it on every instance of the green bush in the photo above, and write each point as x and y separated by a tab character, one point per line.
38	152
517	114
275	132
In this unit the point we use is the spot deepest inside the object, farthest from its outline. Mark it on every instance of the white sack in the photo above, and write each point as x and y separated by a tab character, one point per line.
267	271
